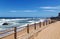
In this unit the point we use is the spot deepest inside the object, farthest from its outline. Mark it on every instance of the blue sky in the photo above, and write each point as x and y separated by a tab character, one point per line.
29	8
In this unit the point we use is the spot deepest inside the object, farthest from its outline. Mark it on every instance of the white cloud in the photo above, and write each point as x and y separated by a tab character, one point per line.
29	10
23	11
13	11
50	7
49	10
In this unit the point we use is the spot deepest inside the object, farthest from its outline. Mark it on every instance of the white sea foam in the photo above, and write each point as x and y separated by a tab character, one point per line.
21	26
42	20
4	20
13	23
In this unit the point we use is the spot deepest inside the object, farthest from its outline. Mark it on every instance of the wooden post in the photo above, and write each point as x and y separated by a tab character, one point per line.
35	26
28	28
15	33
46	22
43	23
39	24
1	38
49	21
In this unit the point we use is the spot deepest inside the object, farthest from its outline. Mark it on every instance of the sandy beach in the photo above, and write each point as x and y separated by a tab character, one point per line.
51	32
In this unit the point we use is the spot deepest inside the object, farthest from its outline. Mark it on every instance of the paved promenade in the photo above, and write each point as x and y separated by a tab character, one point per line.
51	32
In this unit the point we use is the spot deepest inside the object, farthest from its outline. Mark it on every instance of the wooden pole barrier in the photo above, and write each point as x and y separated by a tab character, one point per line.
15	33
35	26
46	22
39	24
49	21
43	23
28	28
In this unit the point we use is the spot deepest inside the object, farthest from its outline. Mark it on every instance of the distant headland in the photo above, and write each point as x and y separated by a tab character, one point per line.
56	18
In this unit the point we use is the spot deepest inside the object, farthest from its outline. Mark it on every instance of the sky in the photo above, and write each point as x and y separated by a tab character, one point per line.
29	8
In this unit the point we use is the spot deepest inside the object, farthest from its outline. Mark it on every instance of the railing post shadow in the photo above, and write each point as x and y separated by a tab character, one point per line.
15	33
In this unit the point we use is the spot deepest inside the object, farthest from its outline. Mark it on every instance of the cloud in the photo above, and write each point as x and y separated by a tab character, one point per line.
29	10
12	11
23	11
50	7
49	10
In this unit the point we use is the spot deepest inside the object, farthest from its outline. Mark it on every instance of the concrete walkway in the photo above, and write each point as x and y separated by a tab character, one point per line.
51	32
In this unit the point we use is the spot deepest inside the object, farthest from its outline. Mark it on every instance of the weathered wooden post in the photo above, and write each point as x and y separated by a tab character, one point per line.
28	28
46	22
39	24
35	26
43	23
49	20
15	33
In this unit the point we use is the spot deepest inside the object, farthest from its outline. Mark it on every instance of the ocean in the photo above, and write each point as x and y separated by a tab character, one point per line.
16	22
20	23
